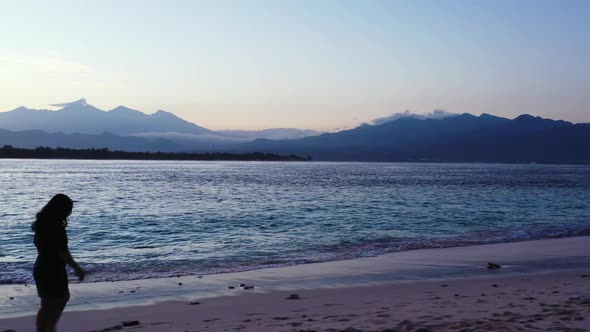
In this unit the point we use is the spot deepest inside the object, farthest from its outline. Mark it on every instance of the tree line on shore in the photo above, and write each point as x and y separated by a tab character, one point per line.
8	151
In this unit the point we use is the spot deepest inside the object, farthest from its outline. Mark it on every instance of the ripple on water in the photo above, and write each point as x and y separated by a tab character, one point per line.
146	219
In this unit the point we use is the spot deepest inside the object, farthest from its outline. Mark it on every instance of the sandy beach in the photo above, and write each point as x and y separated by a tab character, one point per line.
543	285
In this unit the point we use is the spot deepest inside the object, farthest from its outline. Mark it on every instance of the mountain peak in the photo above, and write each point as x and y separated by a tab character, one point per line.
20	109
526	117
466	116
164	113
79	105
124	110
487	116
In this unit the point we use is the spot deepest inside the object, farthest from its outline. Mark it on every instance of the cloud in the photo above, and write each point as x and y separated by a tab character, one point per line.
81	102
436	114
44	64
53	70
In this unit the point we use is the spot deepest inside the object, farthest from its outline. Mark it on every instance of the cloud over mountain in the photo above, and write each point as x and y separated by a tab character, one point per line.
435	114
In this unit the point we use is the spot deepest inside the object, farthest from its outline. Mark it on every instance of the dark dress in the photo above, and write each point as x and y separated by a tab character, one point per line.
50	272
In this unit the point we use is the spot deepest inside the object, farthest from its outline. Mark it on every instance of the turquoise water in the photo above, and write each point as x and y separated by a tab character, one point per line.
146	219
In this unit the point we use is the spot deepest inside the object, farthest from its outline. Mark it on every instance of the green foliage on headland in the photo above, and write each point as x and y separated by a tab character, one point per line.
9	151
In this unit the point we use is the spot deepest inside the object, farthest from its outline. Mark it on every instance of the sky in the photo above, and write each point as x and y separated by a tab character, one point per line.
324	65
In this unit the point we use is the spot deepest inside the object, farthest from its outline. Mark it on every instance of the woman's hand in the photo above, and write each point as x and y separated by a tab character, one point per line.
81	274
67	257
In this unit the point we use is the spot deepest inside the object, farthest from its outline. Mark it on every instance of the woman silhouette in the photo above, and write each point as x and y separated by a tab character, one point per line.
53	255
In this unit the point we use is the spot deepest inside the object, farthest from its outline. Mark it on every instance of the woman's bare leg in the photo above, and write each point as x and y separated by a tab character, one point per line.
54	314
51	312
41	321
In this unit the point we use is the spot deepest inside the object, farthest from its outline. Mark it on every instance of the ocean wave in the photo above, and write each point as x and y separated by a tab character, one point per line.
20	274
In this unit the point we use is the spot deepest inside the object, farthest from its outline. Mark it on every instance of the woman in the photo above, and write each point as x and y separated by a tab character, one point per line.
53	255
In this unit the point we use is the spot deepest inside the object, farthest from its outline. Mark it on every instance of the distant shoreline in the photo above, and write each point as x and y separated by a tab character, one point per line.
40	153
10	152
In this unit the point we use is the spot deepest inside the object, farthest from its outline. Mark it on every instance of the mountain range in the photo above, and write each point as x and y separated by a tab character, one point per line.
81	117
460	138
437	137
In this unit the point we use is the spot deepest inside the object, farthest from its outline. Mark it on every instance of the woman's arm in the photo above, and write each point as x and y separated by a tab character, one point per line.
66	256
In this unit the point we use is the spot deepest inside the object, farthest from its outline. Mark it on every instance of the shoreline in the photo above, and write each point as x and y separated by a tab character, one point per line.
467	262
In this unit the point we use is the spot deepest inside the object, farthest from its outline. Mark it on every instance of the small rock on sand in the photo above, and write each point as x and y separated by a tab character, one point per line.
493	266
194	303
130	323
231	287
293	297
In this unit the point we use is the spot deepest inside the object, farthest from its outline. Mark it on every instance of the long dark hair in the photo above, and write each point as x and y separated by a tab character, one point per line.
55	211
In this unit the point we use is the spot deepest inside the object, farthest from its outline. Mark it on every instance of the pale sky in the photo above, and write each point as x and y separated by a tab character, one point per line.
305	64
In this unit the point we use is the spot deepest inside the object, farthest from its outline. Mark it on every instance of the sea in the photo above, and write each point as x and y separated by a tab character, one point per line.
151	219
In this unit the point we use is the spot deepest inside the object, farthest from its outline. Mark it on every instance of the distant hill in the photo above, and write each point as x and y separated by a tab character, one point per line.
80	117
462	138
36	138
